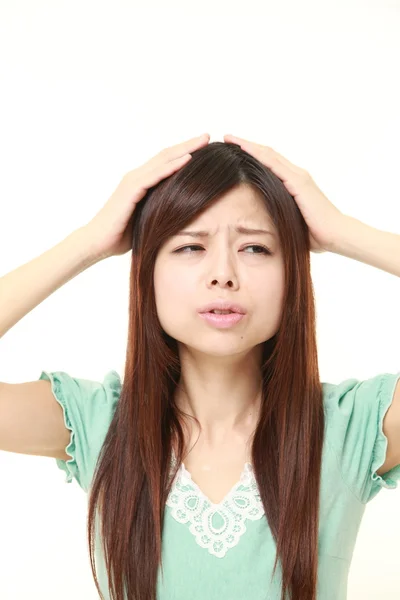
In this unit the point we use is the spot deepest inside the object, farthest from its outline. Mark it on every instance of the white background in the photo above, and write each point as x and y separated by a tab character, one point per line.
92	89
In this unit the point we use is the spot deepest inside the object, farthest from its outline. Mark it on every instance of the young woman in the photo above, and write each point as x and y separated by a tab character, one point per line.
221	467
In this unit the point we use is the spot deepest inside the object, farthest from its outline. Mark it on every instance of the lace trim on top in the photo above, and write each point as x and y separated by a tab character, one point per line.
216	527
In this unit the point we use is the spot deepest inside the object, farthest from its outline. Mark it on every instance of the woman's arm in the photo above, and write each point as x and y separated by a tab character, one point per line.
24	288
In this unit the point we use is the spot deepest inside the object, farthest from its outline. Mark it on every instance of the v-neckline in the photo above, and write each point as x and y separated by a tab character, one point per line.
246	471
235	509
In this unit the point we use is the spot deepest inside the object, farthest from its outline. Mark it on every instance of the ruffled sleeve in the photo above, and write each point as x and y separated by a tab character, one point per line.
354	414
88	409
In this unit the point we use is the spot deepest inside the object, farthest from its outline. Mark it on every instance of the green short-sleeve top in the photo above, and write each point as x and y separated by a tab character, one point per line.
226	550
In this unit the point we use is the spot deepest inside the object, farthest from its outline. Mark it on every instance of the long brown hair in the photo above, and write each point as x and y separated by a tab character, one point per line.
133	474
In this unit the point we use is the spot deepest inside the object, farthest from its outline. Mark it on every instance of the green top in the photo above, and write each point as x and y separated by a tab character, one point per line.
231	554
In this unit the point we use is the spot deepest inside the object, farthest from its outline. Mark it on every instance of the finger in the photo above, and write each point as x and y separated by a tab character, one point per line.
240	141
264	154
164	170
287	162
234	139
257	150
250	147
186	147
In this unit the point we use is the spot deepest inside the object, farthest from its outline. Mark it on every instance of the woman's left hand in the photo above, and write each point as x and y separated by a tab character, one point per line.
324	220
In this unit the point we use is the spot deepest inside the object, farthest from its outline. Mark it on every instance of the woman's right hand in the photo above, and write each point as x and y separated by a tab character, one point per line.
110	230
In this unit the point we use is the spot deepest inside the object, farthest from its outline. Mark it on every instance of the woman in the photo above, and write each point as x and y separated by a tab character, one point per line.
221	467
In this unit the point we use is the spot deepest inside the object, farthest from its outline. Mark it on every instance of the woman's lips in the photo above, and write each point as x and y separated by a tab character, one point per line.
222	321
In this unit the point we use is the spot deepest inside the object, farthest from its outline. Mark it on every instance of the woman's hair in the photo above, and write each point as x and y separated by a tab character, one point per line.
133	475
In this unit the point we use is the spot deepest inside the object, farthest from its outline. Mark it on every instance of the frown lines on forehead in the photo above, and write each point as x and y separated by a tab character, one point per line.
238	229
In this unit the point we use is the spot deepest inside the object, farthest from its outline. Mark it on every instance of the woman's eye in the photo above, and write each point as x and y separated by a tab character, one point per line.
263	249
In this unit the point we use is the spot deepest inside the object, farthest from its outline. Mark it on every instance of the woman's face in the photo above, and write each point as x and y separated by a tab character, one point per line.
224	265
